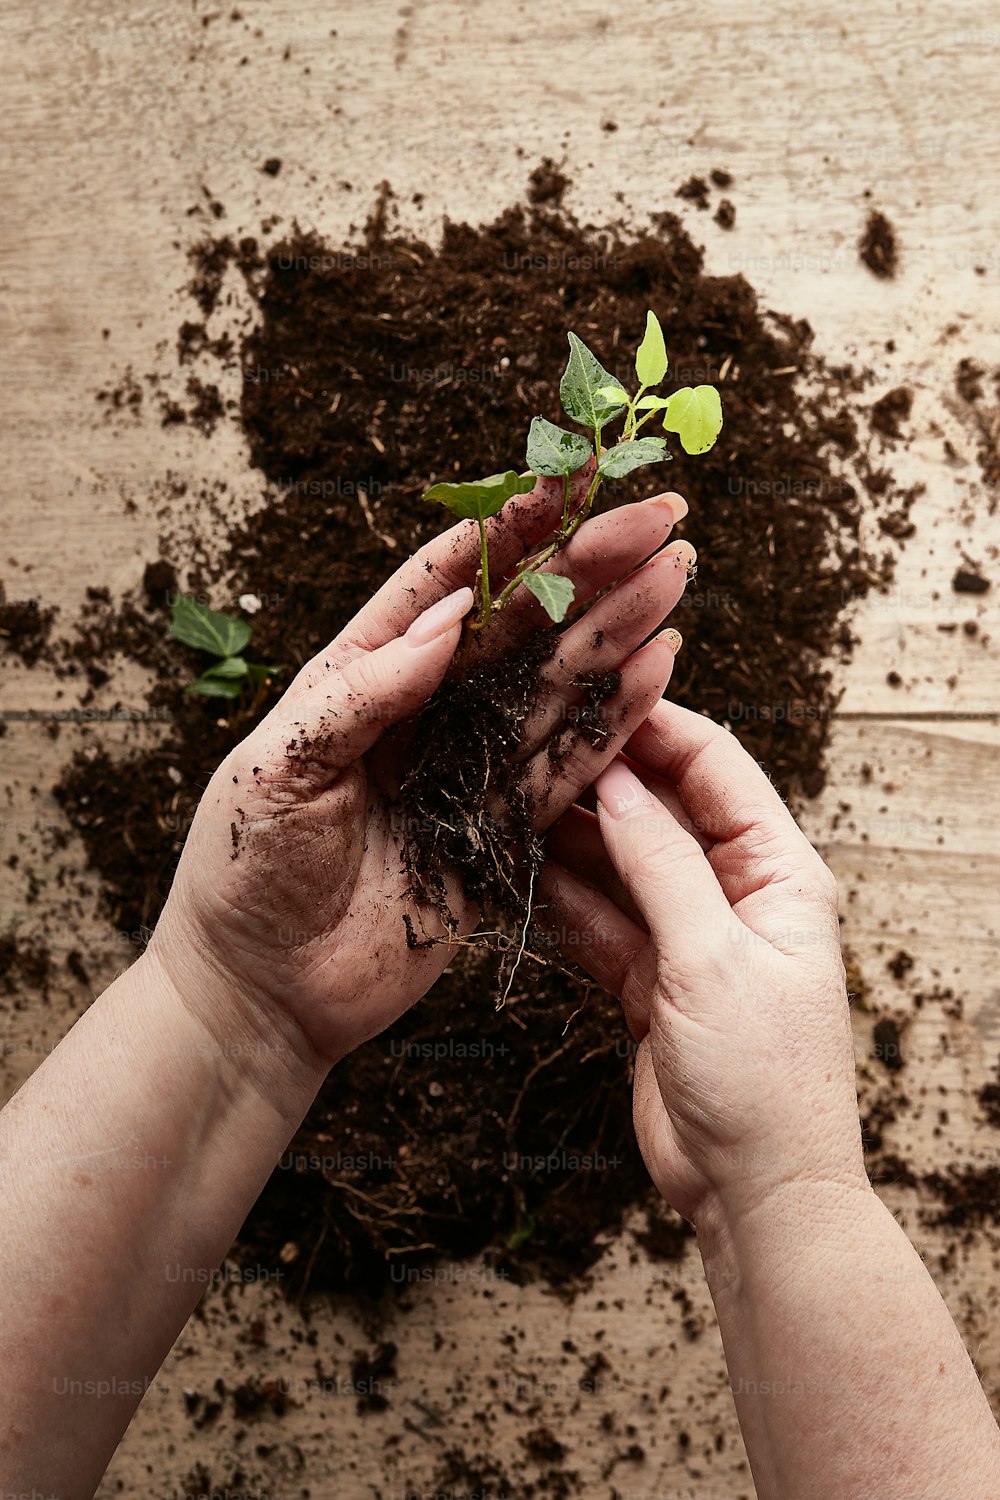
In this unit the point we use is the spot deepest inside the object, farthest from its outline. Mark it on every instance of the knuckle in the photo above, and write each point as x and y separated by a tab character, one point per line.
364	684
827	885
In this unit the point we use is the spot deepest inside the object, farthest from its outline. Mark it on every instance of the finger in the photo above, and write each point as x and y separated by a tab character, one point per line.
560	770
604	549
305	742
451	560
609	632
592	931
667	875
764	863
574	841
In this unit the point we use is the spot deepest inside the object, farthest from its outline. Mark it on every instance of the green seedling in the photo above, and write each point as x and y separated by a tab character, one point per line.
595	400
223	637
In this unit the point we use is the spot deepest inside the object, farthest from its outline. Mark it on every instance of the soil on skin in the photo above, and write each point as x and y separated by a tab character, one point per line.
390	366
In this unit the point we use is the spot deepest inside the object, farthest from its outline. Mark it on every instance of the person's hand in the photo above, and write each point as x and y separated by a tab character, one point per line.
711	916
291	890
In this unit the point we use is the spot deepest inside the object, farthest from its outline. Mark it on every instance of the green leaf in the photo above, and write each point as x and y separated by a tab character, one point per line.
624	457
586	385
478	499
229	666
651	403
651	355
208	629
695	414
554	451
553	592
216	687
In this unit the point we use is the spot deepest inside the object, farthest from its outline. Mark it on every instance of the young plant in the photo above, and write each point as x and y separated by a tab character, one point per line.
224	638
596	400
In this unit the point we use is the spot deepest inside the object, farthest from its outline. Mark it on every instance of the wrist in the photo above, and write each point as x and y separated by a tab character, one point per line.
740	1231
250	1042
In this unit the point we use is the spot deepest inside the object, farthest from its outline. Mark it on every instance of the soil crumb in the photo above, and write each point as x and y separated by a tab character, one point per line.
877	246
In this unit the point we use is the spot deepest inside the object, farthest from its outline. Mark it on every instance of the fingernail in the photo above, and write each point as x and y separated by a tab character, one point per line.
676	504
673	638
684	551
440	618
621	793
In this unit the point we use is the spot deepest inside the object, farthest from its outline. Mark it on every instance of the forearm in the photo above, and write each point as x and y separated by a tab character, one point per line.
849	1376
127	1163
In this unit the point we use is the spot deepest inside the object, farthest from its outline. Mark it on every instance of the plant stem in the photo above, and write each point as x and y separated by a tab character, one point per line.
556	545
486	603
565	514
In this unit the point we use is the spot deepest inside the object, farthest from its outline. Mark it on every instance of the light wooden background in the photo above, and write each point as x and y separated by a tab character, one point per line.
115	120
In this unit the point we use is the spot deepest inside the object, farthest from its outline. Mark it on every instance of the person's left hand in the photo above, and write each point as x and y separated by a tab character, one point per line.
291	891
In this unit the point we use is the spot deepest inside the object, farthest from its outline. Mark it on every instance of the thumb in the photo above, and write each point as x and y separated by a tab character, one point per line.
315	734
664	869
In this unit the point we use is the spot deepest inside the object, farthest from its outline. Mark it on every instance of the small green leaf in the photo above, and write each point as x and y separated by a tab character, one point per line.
215	687
585	386
651	403
228	667
651	355
695	414
624	457
554	451
553	592
208	629
478	499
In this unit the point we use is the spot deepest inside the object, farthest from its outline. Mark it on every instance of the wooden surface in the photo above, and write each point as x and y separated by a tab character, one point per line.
115	121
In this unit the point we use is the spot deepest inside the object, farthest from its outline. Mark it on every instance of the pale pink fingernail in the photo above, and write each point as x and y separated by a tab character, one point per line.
440	618
684	551
621	793
672	637
675	503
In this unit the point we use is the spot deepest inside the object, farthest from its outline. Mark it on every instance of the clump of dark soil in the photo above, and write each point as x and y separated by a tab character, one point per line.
25	628
694	190
547	184
877	246
725	214
969	581
891	411
468	812
393	363
887	1043
25	963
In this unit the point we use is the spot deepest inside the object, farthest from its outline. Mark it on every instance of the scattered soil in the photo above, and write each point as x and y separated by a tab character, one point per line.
969	581
725	214
547	184
983	416
887	1043
891	411
877	246
25	628
900	965
391	364
695	191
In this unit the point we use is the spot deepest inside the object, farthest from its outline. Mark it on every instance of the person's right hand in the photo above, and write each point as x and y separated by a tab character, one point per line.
709	913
